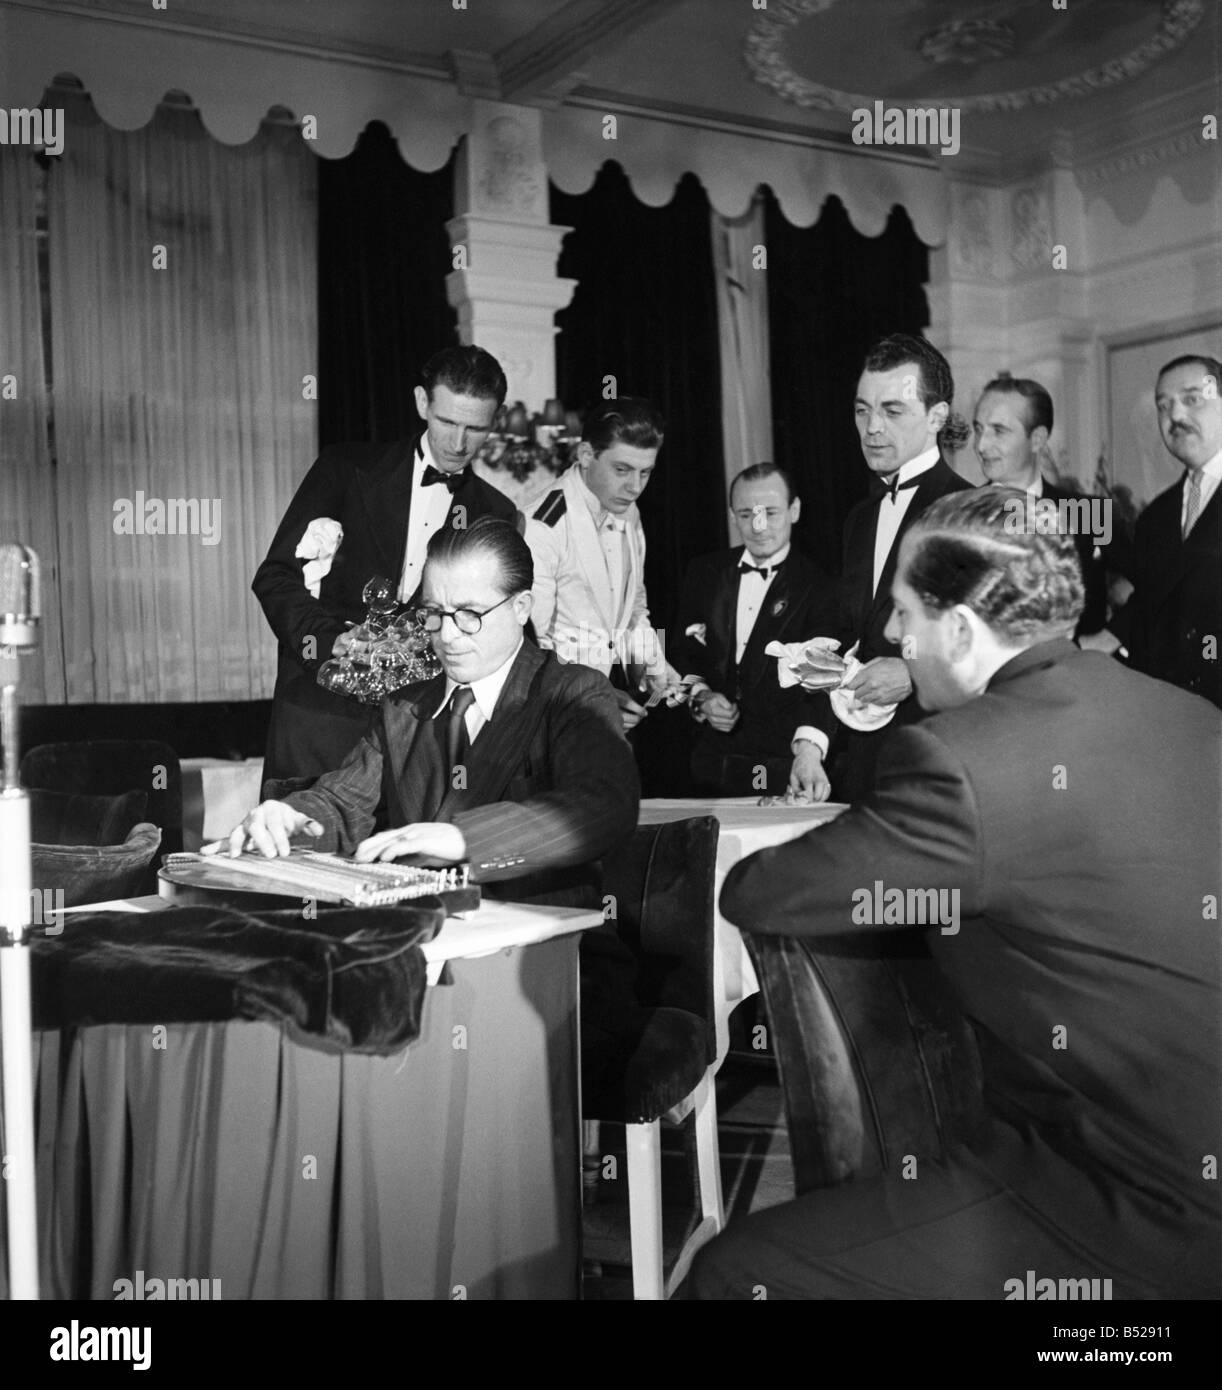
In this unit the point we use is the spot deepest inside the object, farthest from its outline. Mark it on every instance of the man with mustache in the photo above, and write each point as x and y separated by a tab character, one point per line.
1177	600
388	499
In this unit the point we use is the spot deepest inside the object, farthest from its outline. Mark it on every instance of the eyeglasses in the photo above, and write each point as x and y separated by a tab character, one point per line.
466	620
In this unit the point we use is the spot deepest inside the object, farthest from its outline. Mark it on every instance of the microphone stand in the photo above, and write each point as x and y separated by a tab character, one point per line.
15	1021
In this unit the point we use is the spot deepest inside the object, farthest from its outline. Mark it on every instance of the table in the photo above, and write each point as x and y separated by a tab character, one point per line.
216	794
745	827
229	1152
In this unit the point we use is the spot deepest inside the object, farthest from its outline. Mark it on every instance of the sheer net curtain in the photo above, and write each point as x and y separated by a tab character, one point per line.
27	484
742	325
183	276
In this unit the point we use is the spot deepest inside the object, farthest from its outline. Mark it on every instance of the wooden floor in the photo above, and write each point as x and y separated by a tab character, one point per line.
755	1173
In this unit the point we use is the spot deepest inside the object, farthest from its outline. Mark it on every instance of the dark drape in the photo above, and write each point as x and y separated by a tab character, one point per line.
383	255
645	312
831	293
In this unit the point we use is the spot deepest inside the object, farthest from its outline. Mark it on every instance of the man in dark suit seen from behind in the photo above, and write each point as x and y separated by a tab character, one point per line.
903	415
388	500
1081	942
734	603
1011	427
1176	608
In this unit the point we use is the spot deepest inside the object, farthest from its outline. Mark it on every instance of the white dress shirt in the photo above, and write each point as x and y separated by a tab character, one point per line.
891	510
429	508
486	690
751	594
612	537
1211	475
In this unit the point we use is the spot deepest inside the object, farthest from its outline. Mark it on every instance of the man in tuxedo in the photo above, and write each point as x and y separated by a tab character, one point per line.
509	759
1177	600
389	500
902	411
1082	945
590	604
1010	428
733	604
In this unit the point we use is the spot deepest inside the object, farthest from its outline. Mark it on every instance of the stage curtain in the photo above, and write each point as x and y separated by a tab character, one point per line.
645	312
831	293
182	275
383	258
27	482
742	317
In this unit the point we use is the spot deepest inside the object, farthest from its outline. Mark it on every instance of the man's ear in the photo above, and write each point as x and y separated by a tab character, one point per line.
522	605
422	402
585	453
962	635
1039	439
938	414
795	509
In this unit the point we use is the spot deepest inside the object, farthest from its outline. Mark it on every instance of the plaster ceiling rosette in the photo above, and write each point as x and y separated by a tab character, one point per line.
979	57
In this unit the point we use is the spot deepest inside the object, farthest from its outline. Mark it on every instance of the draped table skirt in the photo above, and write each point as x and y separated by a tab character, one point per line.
231	1155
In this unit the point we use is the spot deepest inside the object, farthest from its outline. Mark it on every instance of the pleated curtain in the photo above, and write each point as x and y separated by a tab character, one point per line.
27	483
183	312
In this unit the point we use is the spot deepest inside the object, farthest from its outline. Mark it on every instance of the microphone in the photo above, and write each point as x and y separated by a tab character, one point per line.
20	609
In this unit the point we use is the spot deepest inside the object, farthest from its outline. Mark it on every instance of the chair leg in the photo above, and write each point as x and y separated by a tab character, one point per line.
645	1208
708	1151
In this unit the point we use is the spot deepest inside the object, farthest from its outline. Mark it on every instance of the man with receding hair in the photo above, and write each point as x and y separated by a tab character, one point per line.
1177	601
1086	958
734	604
1011	428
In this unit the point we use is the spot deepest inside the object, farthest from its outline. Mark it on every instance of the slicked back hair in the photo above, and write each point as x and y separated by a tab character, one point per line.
467	371
630	420
936	384
757	472
1211	365
1037	403
1022	582
486	535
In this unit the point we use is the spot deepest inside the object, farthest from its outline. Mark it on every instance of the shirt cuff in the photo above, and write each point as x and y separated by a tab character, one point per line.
816	736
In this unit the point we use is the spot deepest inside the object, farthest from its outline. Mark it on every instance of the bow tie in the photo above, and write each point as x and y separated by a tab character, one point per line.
891	488
432	475
745	567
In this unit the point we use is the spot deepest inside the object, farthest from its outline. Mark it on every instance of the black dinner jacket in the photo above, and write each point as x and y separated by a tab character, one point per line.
1080	900
801	603
865	614
367	488
550	782
1177	598
1094	576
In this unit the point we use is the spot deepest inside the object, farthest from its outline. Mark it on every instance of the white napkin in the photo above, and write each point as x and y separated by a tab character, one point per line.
317	548
847	707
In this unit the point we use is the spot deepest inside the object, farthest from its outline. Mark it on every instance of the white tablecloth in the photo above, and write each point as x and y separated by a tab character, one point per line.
216	794
745	828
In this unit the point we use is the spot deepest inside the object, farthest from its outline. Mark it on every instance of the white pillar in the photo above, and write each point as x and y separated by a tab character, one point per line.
504	284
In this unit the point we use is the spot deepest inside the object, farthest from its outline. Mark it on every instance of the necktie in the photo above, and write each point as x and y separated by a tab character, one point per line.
892	486
458	741
1193	509
432	475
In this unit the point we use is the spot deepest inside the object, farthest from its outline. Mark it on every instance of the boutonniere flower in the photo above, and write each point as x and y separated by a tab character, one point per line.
317	548
699	631
779	607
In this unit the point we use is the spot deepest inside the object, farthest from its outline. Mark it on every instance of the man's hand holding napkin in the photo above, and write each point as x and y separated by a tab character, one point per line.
816	666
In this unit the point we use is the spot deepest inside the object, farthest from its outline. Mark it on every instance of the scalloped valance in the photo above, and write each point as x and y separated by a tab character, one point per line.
128	67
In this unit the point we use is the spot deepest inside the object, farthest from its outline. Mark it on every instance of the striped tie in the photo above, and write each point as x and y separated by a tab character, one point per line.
1193	509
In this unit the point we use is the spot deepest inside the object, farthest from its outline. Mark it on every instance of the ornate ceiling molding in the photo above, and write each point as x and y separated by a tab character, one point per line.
766	62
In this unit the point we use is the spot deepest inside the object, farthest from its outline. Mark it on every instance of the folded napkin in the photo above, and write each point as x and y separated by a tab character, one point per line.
317	548
792	657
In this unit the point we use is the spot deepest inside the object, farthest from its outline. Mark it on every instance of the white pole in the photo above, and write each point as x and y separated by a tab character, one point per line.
16	1030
